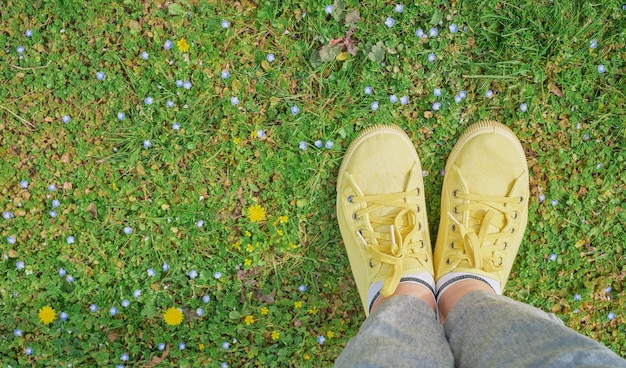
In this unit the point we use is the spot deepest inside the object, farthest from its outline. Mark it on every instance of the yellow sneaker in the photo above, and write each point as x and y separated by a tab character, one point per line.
484	207
382	213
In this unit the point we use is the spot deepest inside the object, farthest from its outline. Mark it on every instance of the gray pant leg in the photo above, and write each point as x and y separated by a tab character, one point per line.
488	330
402	332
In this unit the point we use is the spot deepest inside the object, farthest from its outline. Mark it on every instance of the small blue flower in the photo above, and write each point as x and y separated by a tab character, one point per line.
69	278
328	9
100	75
554	202
586	137
187	85
436	106
457	99
523	107
611	316
137	293
453	28
225	24
302	288
161	346
20	265
225	345
66	119
598	166
52	187
125	303
145	55
121	116
593	44
181	346
260	134
463	94
437	92
294	110
542	198
167	45
368	90
442	172
17	332
389	22
206	298
70	240
24	184
62	272
52	213
404	100
321	339
124	357
29	351
63	316
192	274
434	32
147	144
601	69
166	267
55	203
577	297
11	239
128	230
224	365
270	58
93	308
113	311
199	223
151	272
175	126
179	83
200	312
28	33
234	101
329	144
225	74
399	8
19	49
119	366
374	105
217	275
431	57
489	93
302	145
318	143
393	98
553	257
420	33
169	103
608	290
148	100
7	215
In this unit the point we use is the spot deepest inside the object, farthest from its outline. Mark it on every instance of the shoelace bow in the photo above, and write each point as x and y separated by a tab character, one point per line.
473	249
394	246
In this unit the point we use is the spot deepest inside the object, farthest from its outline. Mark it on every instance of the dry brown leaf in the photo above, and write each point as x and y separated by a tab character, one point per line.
92	210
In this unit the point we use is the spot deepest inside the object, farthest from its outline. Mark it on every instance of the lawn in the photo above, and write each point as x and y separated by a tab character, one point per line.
168	167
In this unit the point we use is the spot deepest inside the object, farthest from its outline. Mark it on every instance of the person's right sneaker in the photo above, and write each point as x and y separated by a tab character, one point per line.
484	207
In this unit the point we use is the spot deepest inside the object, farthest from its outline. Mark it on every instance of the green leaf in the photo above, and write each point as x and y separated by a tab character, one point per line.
329	53
437	16
377	54
175	9
149	310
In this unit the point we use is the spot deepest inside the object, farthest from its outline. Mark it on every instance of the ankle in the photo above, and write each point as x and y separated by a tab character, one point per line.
408	288
454	293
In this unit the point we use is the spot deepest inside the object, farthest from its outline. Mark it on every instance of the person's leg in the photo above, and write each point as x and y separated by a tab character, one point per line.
489	330
382	218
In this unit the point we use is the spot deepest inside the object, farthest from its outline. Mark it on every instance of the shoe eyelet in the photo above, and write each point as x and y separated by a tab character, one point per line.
421	244
354	216
419	226
500	263
455	210
512	230
521	199
448	261
515	215
506	246
371	264
454	193
452	245
454	228
426	259
350	198
418	209
418	190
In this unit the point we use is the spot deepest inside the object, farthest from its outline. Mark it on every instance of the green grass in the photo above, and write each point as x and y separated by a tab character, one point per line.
215	167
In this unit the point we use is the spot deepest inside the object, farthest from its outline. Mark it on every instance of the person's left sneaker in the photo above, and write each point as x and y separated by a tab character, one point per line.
382	214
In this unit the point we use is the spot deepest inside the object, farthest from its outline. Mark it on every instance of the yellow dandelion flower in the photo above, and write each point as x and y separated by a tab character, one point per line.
256	213
182	45
247	262
307	357
173	316
297	305
283	219
275	335
249	320
47	315
330	334
264	311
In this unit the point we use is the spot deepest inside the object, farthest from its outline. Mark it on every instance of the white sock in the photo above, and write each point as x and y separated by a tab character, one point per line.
452	278
422	278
